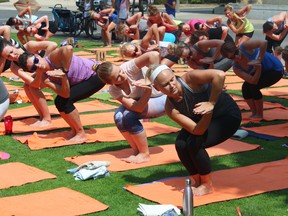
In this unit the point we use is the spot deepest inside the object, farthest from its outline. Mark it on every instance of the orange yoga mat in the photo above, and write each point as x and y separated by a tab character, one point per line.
21	96
228	184
279	130
163	154
266	105
269	115
236	97
59	201
233	79
13	87
23	126
275	91
234	86
30	111
16	174
108	134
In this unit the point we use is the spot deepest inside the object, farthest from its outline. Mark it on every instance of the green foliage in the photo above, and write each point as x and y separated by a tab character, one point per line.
110	190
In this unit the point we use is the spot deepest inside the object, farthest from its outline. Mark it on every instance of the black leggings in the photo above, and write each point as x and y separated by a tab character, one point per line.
250	91
78	92
191	148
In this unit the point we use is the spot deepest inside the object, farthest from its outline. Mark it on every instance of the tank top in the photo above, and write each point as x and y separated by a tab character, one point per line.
269	62
248	27
80	69
224	106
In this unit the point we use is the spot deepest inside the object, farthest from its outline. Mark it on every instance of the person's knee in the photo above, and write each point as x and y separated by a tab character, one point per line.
64	104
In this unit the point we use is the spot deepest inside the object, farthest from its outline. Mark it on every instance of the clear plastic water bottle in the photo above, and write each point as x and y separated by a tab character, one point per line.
188	199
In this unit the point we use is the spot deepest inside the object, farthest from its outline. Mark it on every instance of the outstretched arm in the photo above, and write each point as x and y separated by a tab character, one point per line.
234	29
61	57
147	59
243	12
35	46
214	20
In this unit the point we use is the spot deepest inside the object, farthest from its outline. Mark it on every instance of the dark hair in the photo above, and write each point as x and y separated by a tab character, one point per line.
22	61
285	54
3	43
228	47
180	26
10	21
267	26
194	38
197	25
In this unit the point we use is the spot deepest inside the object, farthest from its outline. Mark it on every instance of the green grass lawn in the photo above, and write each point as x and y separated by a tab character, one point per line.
110	190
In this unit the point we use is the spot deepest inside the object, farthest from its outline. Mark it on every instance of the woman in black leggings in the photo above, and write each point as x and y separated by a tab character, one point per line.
208	116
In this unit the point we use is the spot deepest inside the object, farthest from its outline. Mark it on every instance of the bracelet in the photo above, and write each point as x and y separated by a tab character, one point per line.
65	71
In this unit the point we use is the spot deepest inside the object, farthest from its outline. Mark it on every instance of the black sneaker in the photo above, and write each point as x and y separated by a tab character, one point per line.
285	75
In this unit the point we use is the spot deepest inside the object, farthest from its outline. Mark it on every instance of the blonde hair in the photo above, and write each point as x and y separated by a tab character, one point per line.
228	7
104	71
150	71
177	49
119	30
123	48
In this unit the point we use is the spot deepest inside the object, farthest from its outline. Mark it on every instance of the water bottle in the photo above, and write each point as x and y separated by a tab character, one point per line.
8	123
187	199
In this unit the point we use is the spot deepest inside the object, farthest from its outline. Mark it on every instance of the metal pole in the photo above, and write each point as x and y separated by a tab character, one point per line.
177	6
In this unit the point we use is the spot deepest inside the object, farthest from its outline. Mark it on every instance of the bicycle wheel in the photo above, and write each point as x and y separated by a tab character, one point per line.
76	29
91	29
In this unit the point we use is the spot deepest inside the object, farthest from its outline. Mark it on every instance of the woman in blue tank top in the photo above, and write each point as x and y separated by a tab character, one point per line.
258	68
207	114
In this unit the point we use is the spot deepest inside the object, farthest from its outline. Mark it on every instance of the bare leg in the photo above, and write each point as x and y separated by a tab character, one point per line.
197	180
38	100
73	119
5	31
243	39
252	107
104	38
141	143
20	36
205	186
258	108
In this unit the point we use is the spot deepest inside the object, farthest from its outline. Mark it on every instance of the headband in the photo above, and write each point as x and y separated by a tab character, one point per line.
157	71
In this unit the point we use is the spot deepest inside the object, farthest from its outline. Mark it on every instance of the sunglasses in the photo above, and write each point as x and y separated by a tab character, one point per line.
135	52
34	67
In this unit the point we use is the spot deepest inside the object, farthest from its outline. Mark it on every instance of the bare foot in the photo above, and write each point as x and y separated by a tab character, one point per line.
255	116
141	158
78	139
129	159
108	46
202	190
43	123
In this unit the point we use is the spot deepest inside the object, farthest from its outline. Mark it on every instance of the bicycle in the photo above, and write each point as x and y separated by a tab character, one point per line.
72	22
83	24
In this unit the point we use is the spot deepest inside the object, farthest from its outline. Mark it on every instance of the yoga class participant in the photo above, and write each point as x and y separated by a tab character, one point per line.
9	54
70	77
239	24
258	68
138	101
208	116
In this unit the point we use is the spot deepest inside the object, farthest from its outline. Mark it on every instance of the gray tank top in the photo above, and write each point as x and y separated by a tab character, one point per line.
224	106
